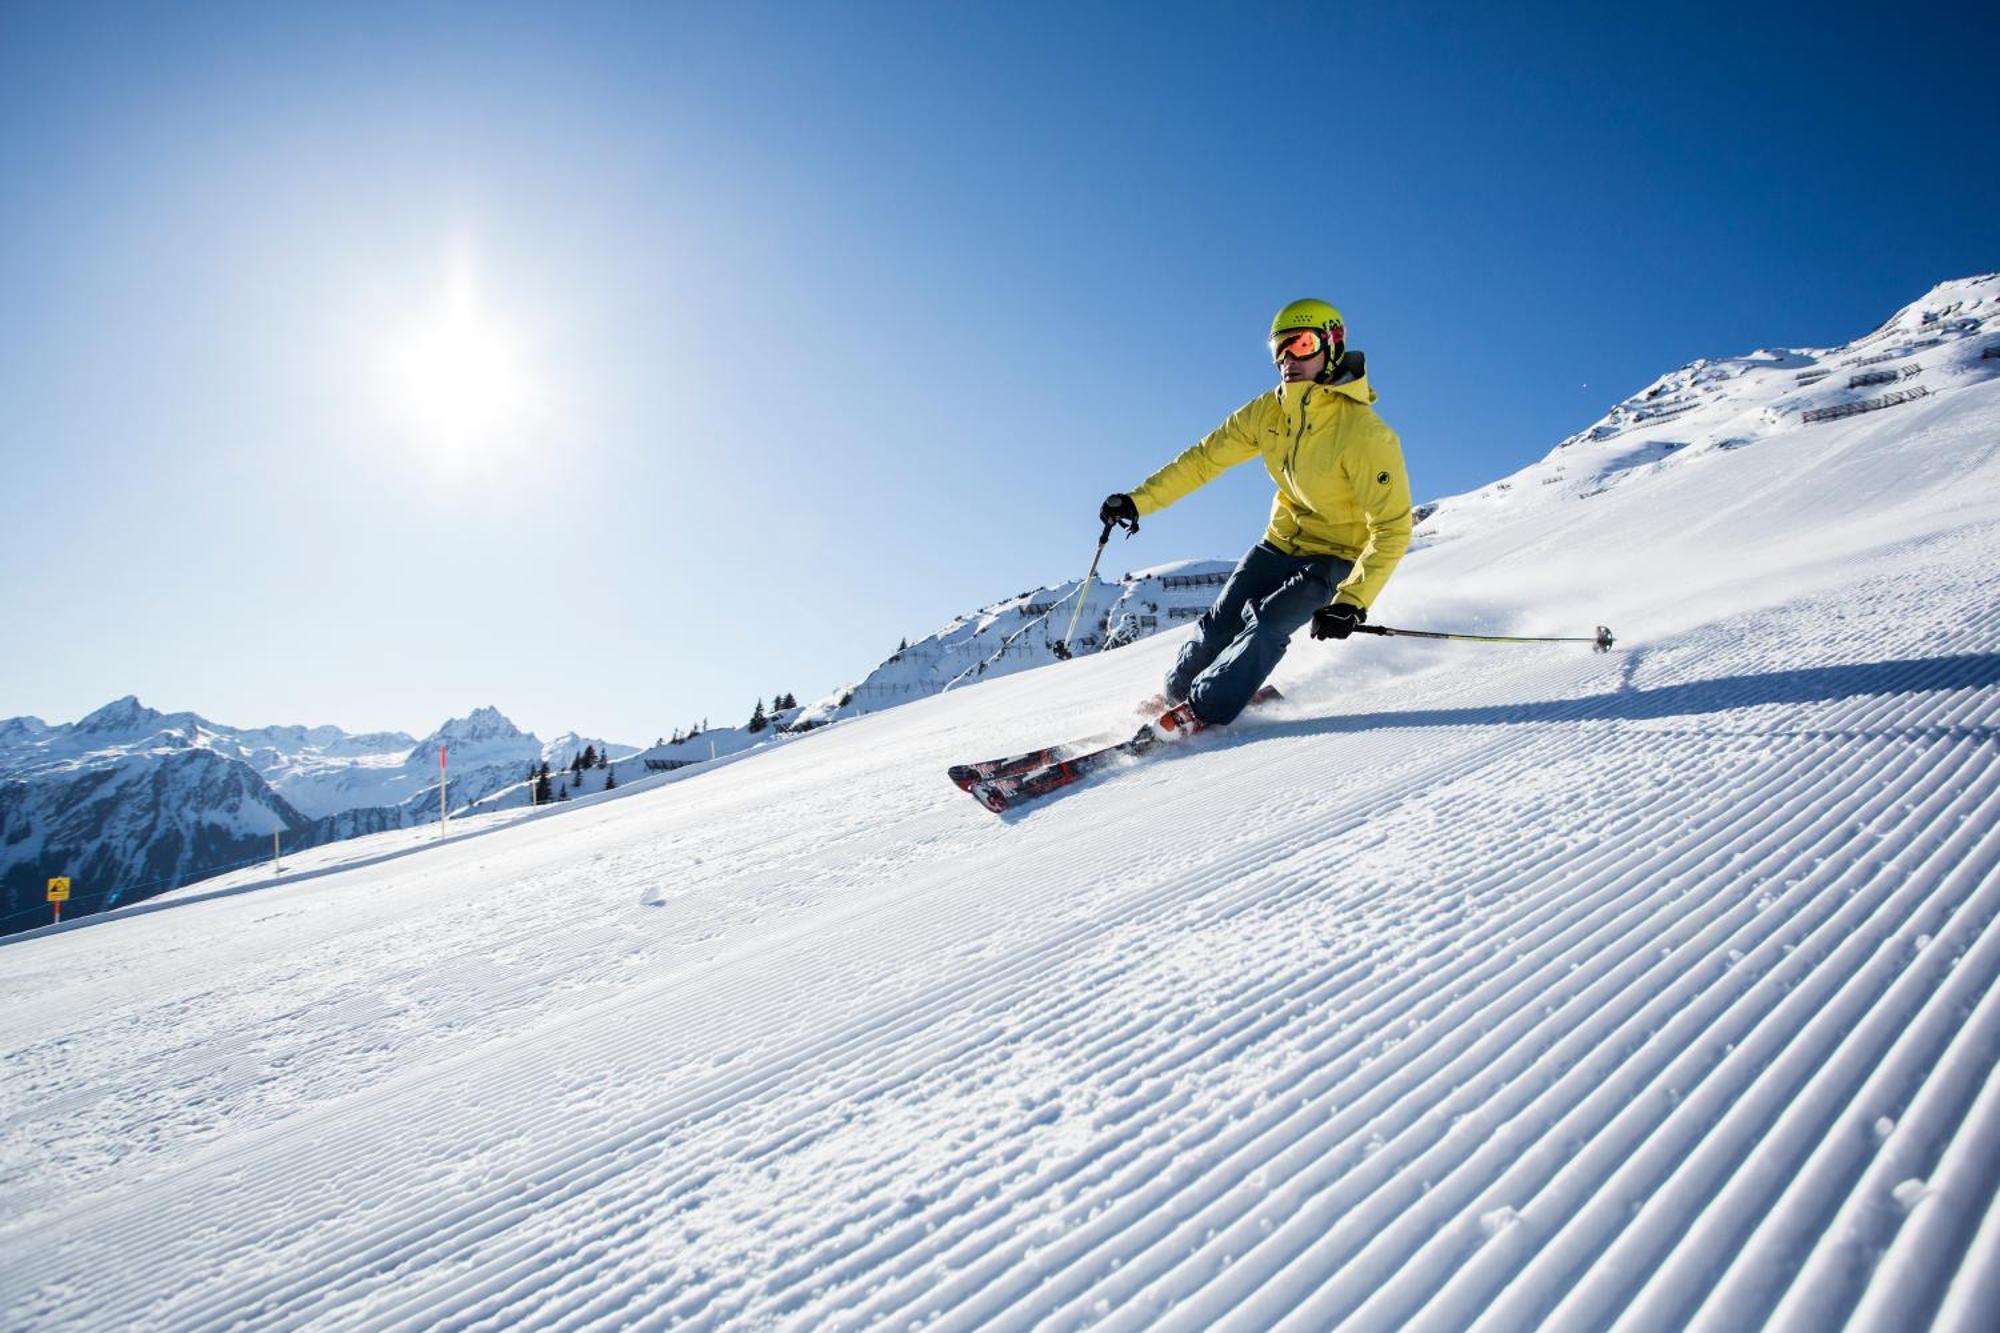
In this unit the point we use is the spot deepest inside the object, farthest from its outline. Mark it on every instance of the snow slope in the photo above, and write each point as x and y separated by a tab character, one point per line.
1473	987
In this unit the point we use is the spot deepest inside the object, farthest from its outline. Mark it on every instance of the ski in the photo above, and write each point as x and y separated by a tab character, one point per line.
965	775
1000	784
1002	793
984	770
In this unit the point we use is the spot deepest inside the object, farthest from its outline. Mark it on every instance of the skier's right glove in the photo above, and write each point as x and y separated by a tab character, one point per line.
1119	509
1337	621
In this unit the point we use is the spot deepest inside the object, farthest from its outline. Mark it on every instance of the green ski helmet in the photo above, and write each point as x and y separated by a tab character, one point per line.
1311	314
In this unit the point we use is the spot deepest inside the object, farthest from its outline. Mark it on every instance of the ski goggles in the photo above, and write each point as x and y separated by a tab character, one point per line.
1300	344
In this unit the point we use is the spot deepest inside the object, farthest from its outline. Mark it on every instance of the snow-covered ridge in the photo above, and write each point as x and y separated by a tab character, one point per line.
1020	632
1949	339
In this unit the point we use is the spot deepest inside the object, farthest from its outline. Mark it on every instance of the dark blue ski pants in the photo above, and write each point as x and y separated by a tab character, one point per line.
1246	632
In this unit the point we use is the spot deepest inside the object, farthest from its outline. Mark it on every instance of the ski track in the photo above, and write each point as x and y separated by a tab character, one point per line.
1715	1047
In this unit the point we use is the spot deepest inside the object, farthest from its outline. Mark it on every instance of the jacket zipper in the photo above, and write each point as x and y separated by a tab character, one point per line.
1292	458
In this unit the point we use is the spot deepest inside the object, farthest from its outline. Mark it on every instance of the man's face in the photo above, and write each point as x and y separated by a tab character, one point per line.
1300	353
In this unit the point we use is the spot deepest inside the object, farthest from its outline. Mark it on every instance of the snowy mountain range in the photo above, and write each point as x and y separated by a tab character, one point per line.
1945	341
129	800
1487	987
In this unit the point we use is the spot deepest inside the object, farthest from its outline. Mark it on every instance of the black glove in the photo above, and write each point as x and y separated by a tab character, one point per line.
1119	509
1337	621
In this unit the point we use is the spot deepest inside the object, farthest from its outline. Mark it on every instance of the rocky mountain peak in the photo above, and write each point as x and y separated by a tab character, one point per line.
121	717
484	730
481	724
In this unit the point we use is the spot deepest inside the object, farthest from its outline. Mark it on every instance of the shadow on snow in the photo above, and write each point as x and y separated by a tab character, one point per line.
1630	704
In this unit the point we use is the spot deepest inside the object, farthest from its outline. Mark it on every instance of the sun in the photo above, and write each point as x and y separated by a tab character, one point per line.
460	379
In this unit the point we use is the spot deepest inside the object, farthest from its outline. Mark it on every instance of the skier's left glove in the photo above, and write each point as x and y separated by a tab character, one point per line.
1337	621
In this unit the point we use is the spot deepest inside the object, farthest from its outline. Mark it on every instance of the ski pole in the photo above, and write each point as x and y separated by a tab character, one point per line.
1601	642
1062	649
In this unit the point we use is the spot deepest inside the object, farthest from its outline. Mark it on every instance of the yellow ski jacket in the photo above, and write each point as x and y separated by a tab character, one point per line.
1342	489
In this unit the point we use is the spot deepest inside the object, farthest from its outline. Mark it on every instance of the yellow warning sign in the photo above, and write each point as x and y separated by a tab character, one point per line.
59	889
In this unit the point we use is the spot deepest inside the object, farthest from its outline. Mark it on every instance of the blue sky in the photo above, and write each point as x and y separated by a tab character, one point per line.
805	327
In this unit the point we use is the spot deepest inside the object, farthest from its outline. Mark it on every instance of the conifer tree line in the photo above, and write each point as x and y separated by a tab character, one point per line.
543	785
589	759
759	719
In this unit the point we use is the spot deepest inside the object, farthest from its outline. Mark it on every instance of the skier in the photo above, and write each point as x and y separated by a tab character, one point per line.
1339	522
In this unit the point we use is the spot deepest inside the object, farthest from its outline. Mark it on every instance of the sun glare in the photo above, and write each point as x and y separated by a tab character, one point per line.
460	378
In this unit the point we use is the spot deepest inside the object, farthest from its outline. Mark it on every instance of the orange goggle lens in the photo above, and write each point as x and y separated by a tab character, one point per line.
1299	344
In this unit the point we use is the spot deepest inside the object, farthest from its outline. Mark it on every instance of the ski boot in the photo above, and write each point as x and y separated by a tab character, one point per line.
1156	706
1178	721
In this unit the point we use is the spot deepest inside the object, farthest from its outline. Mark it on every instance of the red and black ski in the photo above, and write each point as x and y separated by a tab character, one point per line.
1006	791
999	784
965	775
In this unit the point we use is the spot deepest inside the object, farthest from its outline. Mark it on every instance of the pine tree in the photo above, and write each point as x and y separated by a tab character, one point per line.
610	778
757	719
590	756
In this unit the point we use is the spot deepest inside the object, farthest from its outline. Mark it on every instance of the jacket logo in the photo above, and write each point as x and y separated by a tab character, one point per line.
1381	479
